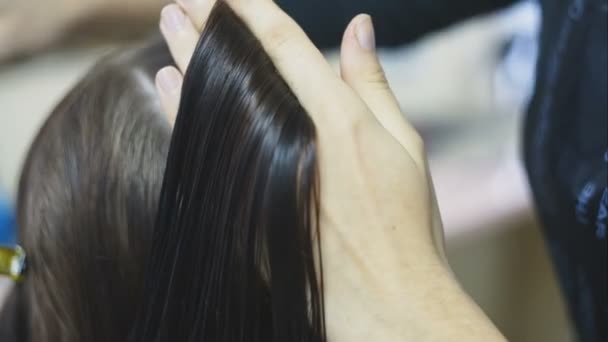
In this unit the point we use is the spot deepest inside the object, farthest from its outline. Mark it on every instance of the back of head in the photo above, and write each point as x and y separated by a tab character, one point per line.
236	250
87	201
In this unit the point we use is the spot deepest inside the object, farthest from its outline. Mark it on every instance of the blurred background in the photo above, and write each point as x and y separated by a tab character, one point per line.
465	88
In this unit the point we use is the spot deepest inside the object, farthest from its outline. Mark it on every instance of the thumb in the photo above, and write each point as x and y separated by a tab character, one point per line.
361	70
360	66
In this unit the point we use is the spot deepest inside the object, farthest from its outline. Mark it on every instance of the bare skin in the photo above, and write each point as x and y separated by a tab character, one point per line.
386	276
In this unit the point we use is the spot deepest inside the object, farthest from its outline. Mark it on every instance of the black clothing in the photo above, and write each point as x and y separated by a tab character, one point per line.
395	21
566	144
566	154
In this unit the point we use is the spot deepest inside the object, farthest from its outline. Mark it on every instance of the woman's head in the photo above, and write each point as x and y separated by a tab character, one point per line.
87	200
235	241
234	249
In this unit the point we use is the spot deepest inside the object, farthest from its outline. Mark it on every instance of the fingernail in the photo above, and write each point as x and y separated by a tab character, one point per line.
173	18
364	31
169	80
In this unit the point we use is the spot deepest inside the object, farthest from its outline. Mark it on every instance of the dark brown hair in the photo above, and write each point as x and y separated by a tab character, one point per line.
87	199
235	244
236	240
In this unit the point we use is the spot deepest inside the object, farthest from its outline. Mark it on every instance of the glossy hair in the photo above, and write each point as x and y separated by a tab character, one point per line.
235	252
236	244
86	204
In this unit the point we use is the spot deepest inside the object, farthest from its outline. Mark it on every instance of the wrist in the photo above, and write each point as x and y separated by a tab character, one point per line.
429	307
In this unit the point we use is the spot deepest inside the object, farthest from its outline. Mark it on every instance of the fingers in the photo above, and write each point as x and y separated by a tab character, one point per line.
198	11
362	71
169	85
180	34
292	52
301	64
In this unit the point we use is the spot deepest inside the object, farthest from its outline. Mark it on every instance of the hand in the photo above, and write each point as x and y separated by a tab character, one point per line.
386	278
29	25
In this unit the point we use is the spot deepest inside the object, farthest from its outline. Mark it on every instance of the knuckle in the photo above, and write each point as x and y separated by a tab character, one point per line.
361	125
377	79
271	25
278	35
418	146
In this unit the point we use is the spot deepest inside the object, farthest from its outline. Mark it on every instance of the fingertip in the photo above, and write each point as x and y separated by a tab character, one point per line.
169	83
360	34
172	18
365	33
169	80
179	33
358	49
349	38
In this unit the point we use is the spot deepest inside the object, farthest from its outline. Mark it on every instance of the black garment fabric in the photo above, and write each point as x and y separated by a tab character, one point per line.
566	154
565	135
395	21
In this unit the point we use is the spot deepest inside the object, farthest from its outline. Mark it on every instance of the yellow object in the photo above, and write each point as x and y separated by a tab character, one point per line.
12	262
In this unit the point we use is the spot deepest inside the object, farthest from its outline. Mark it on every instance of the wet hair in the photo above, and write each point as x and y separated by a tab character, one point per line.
236	245
221	245
86	204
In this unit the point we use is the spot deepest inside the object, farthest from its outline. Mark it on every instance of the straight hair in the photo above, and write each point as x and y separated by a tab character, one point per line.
236	251
86	204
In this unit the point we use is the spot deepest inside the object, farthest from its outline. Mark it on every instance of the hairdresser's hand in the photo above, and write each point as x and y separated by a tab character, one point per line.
386	278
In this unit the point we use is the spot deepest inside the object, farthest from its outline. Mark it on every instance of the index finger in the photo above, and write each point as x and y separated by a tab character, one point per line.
320	90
